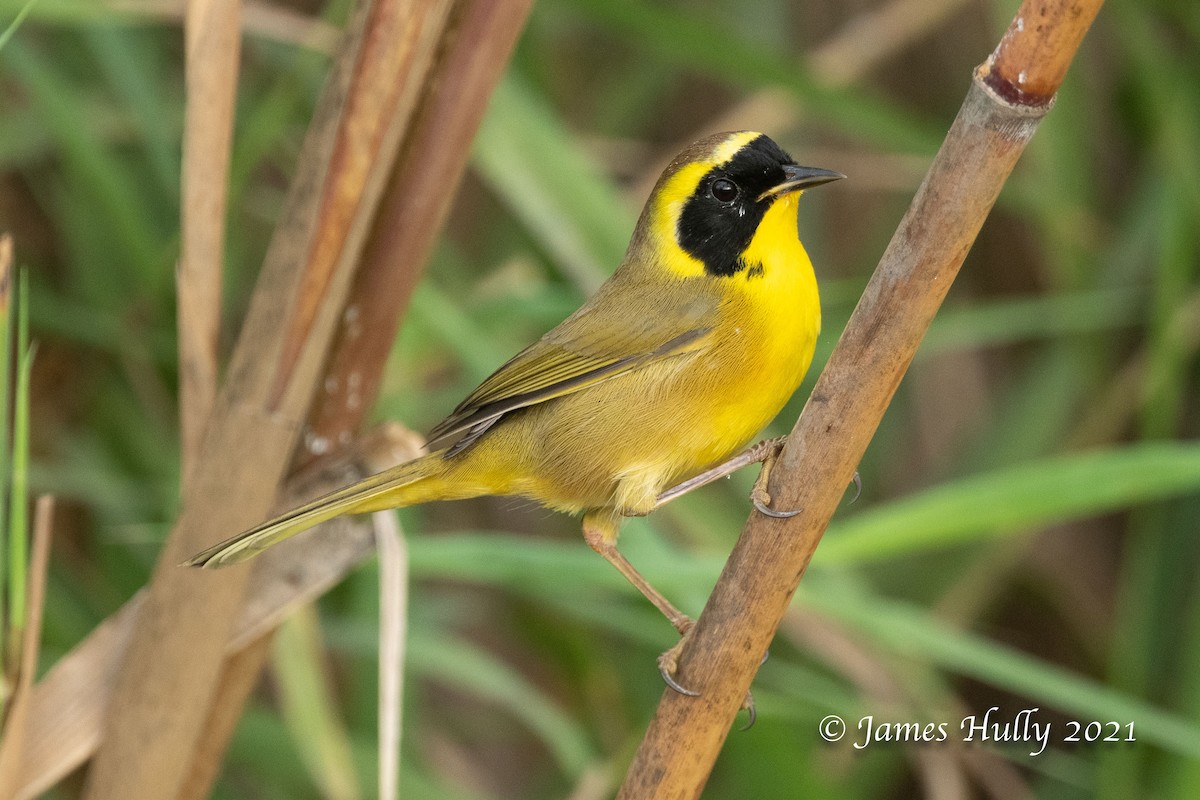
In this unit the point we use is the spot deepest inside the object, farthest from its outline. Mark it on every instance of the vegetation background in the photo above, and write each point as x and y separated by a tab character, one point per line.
1027	534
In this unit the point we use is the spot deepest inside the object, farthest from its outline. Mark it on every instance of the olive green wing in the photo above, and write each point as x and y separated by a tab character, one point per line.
593	345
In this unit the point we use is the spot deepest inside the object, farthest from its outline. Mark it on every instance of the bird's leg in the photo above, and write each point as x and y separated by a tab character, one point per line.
600	532
766	449
765	452
601	535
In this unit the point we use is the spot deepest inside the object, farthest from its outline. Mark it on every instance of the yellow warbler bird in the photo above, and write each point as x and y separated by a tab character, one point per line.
690	348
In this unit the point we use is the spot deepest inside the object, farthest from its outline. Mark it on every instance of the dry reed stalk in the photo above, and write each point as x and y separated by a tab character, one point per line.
212	44
71	699
14	735
67	705
165	688
212	35
1007	99
476	43
480	38
393	626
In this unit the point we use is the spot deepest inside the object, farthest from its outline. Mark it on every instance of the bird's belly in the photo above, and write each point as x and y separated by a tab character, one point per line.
620	443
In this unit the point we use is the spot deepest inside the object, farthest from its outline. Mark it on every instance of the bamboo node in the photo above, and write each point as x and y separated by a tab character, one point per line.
1012	94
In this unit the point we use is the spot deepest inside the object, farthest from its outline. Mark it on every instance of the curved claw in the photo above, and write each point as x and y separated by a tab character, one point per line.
763	508
669	680
753	712
857	487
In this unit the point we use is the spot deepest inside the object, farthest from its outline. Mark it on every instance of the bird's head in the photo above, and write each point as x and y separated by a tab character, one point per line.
710	201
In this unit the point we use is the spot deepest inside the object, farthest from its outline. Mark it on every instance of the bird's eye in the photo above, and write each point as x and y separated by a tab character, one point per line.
724	190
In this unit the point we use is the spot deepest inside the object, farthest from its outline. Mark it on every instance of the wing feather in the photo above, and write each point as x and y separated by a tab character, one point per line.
579	353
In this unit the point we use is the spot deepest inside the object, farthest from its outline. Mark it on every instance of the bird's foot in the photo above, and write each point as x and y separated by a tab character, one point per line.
668	665
668	662
759	495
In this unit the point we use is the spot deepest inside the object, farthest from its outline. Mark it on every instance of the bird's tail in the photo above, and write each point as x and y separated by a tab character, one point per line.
416	481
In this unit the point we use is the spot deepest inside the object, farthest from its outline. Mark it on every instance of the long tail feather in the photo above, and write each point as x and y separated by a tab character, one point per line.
394	488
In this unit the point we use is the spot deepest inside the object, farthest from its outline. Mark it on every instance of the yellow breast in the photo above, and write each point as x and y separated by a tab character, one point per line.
769	320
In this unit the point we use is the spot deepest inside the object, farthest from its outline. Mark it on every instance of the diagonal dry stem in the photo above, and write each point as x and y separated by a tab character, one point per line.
753	592
477	40
70	701
212	46
165	688
67	705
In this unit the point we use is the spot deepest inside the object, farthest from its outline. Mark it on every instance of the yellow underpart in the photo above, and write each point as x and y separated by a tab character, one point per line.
776	246
775	315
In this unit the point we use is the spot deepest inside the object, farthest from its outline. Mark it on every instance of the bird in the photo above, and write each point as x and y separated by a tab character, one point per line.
654	386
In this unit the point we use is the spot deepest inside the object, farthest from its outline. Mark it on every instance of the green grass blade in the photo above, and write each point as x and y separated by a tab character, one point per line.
309	710
472	669
11	28
6	566
1013	499
95	181
130	66
1029	319
18	536
555	189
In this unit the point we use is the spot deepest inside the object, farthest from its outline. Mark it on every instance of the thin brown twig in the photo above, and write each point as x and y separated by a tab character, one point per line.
871	37
212	44
1008	97
258	18
14	735
863	43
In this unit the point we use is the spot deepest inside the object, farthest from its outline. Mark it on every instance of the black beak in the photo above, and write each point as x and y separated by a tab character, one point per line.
797	178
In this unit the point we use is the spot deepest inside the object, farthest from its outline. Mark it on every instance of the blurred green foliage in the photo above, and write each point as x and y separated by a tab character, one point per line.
1027	533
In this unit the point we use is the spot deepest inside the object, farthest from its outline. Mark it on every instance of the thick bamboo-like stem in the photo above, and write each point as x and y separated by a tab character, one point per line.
1008	97
165	688
68	704
476	43
212	33
399	44
480	38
